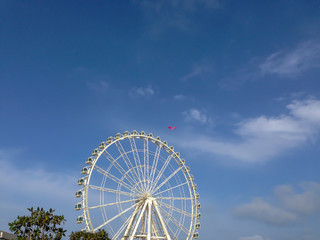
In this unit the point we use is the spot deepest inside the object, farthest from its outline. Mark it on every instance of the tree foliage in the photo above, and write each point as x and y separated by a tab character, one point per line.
100	235
40	225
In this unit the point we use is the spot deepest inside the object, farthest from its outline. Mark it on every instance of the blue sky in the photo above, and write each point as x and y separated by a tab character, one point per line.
239	80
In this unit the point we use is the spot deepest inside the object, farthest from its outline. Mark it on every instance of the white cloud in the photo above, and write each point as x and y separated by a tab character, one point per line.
196	115
174	13
290	63
255	237
142	92
179	97
286	63
289	206
263	137
307	111
198	71
260	210
36	182
98	86
22	187
307	202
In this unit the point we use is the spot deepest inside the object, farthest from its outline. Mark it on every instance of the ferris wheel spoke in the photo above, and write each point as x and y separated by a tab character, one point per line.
116	236
174	198
154	164
178	210
115	203
175	221
112	191
154	194
161	172
113	178
167	179
127	161
118	167
146	162
118	215
136	157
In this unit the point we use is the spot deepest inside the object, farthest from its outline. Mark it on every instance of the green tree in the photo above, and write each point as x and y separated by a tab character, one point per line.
81	235
40	225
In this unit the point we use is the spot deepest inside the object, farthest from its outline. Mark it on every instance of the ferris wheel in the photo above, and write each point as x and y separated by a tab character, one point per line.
137	187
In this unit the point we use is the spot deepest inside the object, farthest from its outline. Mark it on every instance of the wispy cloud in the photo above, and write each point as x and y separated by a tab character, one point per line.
289	207
35	183
255	237
98	86
179	97
195	115
37	187
304	203
142	92
174	13
286	63
263	137
260	210
198	72
293	62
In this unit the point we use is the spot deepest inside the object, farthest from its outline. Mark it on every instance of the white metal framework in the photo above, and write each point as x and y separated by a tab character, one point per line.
137	187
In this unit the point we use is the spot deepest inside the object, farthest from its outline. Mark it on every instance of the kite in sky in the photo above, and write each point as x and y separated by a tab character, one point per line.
171	128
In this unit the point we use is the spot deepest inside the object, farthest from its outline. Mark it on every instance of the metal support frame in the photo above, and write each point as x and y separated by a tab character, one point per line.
142	217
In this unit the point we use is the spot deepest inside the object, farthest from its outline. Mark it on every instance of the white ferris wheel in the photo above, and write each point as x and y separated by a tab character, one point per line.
137	187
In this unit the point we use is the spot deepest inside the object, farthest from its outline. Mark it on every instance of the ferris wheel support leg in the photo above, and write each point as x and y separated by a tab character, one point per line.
161	220
154	228
133	216
138	221
149	221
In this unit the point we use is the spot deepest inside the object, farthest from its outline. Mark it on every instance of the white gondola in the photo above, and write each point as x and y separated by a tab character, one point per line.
186	169
194	187
157	140
78	206
176	155
191	178
89	160
150	135
126	134
95	152
198	215
79	219
197	225
81	181
171	149
79	194
134	132
142	134
196	235
102	145
84	230
85	170
117	136
198	206
182	162
164	144
197	196
109	140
